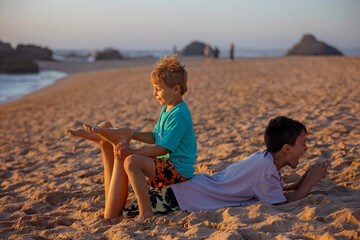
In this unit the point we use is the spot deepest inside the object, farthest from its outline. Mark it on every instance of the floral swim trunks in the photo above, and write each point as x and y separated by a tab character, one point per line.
165	174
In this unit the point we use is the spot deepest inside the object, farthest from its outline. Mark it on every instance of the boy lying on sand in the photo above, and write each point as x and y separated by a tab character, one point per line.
257	178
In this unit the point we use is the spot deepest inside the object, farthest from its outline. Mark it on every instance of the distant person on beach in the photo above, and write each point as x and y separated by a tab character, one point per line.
172	158
232	49
207	53
257	178
216	53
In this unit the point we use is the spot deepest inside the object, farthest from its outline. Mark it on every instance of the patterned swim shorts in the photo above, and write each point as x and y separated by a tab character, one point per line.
162	201
165	174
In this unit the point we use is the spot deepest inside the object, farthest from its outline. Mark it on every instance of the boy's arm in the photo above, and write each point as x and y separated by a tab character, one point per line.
145	137
297	184
317	172
152	151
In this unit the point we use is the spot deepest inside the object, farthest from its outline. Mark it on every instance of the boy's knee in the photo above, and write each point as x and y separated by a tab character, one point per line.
131	163
105	124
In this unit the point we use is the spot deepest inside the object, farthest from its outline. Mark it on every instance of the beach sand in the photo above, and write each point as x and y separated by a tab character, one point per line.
52	183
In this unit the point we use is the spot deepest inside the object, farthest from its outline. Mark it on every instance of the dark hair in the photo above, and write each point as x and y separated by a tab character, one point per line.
280	131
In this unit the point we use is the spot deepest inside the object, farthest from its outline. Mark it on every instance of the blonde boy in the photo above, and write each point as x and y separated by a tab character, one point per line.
171	160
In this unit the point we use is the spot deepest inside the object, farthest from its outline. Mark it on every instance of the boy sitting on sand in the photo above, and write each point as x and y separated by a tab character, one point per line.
257	178
170	161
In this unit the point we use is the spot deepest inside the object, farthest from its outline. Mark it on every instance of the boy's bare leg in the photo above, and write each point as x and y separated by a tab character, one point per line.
137	167
118	191
116	136
106	150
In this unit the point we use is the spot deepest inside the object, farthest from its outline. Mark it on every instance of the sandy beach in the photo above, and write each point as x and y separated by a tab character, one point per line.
51	184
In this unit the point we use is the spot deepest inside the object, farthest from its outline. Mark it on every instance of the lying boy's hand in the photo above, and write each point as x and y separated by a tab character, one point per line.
318	172
121	152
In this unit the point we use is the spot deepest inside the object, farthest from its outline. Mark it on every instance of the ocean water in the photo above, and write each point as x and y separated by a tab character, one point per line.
86	55
14	86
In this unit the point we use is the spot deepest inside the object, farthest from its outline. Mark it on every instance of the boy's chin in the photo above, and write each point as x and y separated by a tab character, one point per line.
293	166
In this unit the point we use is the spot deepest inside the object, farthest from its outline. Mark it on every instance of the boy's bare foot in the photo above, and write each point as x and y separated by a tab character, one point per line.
88	135
84	134
114	220
115	136
143	217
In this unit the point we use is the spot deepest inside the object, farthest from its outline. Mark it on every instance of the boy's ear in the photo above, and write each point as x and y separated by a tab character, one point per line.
286	148
177	87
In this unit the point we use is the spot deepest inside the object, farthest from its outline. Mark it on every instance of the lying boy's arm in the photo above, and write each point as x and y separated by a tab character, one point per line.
297	184
317	172
145	137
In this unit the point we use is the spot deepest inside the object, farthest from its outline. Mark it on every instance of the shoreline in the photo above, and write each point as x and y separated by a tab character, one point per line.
77	67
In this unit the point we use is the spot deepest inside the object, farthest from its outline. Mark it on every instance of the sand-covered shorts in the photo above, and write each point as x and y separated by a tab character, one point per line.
162	201
165	174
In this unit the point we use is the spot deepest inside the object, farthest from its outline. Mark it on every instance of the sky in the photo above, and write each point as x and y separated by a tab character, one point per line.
162	24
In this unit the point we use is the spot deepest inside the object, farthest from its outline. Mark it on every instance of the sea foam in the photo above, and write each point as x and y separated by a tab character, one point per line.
14	86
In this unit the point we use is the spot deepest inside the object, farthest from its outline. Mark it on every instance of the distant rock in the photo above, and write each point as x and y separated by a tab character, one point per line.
108	53
6	50
310	46
33	52
18	65
12	62
194	48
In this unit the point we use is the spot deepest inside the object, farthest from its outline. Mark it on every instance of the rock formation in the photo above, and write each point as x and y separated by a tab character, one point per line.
310	46
18	65
34	52
12	62
194	48
108	53
6	50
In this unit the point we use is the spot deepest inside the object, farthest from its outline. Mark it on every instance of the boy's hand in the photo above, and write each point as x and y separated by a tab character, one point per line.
318	172
121	152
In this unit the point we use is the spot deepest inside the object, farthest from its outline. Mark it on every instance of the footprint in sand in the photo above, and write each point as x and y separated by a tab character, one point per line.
52	198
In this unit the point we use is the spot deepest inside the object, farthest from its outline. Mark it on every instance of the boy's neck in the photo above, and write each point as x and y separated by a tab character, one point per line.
173	104
279	160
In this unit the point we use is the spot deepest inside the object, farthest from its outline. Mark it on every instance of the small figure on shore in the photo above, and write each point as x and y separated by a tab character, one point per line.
172	158
216	53
232	49
207	53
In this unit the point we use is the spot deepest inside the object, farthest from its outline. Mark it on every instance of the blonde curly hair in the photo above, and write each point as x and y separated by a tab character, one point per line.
171	72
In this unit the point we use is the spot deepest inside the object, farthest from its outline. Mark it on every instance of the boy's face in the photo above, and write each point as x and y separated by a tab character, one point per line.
165	94
296	151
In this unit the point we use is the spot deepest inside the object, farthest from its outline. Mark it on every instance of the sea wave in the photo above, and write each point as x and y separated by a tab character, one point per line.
14	86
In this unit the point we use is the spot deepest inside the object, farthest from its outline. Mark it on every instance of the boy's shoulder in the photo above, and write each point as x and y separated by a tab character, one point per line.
262	160
180	109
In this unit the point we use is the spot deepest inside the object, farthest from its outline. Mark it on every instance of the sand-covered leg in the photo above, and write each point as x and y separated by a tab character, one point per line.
115	136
